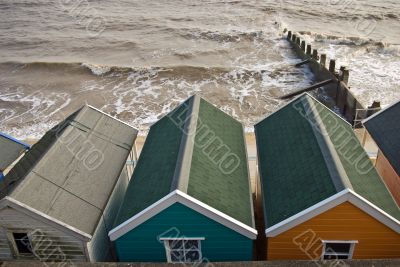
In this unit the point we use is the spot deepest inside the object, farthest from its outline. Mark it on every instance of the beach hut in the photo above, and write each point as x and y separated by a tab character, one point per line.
10	150
384	128
59	201
322	197
189	198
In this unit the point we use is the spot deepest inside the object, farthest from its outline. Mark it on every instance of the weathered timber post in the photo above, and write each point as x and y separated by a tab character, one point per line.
345	76
298	41
323	59
341	69
374	108
308	50
289	35
303	46
332	64
294	38
315	54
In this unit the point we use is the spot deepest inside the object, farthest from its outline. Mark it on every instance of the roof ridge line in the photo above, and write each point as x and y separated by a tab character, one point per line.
332	160
279	109
180	180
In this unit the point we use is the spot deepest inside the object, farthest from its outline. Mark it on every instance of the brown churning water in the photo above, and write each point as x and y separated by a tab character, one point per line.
138	59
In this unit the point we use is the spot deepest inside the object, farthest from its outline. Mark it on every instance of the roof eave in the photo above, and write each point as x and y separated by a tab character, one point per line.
380	112
331	202
9	137
182	198
11	202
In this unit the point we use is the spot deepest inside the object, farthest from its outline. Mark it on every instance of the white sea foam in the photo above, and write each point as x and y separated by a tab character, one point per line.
97	69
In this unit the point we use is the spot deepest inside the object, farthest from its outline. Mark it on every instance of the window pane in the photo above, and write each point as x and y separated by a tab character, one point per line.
177	256
176	244
192	255
191	244
23	243
337	247
335	257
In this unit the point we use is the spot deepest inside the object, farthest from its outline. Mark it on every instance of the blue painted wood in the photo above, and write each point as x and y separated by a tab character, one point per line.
220	244
26	146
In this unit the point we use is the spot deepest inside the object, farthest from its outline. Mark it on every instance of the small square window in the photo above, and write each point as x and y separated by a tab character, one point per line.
183	250
22	243
338	250
192	255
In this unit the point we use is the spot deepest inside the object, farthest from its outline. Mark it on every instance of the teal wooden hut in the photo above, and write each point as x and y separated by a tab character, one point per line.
189	198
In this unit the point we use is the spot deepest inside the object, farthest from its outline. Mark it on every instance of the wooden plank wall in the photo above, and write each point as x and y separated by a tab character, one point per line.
343	222
48	243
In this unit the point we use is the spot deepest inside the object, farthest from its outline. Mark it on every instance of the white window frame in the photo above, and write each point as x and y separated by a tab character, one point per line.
11	239
168	249
349	255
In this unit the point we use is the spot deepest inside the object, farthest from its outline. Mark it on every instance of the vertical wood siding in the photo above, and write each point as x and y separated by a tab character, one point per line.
48	243
389	175
344	222
99	248
220	244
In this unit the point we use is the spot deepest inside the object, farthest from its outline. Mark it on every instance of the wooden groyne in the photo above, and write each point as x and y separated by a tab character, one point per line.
333	80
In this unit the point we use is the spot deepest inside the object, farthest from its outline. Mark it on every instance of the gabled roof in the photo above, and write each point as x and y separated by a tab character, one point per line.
10	150
331	202
190	150
69	174
384	127
307	154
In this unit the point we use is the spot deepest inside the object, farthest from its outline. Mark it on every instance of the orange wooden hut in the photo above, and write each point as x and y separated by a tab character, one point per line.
322	197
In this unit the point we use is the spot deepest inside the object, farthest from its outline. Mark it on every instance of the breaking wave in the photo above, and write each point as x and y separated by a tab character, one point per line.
102	70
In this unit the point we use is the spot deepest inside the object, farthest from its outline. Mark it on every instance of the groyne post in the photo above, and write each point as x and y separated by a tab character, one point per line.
308	50
332	64
374	108
298	41
315	54
336	81
323	60
345	76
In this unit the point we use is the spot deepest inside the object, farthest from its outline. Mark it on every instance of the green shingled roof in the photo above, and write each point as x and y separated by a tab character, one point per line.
307	153
384	127
199	150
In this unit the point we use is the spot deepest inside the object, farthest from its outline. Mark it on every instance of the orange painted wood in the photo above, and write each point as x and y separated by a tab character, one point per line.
343	222
389	175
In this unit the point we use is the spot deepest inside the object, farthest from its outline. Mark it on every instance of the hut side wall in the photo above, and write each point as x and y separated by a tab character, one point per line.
48	243
343	222
100	247
142	243
389	176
